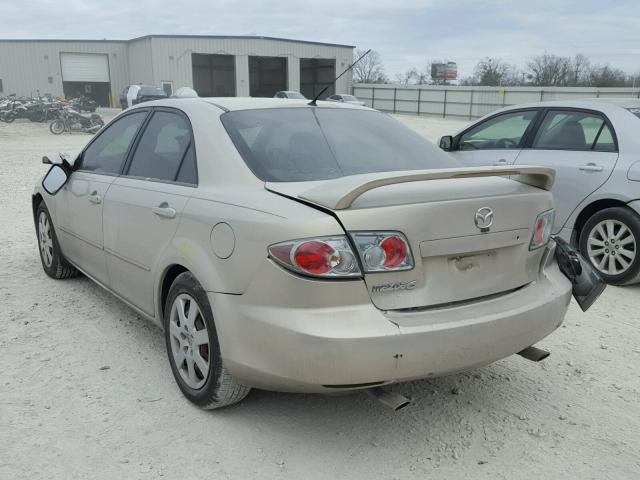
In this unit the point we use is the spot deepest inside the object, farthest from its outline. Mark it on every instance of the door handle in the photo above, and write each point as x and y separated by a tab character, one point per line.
164	211
502	161
95	198
591	167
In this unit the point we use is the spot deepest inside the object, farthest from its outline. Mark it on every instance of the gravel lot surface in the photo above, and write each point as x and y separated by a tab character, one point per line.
86	391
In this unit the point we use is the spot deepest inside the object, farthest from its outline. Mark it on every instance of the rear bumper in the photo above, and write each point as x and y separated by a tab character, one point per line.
307	348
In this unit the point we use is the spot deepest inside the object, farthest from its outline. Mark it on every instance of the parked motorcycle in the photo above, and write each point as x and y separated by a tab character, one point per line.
13	109
70	120
83	104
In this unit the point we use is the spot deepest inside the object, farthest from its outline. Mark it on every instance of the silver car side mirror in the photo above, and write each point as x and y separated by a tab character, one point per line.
446	143
55	179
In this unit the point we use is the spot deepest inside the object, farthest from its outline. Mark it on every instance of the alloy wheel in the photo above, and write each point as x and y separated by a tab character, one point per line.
189	341
611	247
45	239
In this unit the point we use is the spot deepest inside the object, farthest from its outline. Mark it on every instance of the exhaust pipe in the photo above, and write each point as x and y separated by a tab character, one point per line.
534	354
389	399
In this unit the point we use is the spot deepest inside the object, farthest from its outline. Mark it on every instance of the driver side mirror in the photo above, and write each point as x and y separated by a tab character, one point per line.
446	143
55	179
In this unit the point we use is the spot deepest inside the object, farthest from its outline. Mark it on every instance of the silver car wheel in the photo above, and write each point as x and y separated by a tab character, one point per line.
611	246
45	239
189	341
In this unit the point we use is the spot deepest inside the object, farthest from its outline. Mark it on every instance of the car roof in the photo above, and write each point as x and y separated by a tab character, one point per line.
603	104
248	103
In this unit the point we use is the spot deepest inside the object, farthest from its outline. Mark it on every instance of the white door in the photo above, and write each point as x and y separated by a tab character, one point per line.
80	202
580	146
495	141
84	67
143	206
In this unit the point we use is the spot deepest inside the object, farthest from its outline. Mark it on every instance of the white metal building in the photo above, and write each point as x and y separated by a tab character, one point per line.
212	65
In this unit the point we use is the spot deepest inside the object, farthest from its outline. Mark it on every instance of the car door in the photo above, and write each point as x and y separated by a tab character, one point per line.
581	146
80	201
143	206
496	140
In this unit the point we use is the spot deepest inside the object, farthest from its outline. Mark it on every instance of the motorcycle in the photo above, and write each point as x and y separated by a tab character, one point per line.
70	120
13	109
83	103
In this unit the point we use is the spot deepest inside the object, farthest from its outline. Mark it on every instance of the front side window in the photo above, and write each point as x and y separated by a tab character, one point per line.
108	151
162	148
501	132
574	130
306	144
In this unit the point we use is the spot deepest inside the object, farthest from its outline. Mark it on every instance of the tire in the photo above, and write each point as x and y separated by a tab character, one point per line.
57	127
9	118
617	261
185	343
53	262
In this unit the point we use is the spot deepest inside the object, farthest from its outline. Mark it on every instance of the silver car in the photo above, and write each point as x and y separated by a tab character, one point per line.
303	248
344	98
594	147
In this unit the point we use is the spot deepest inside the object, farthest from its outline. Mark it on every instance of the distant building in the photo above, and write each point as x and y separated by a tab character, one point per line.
212	65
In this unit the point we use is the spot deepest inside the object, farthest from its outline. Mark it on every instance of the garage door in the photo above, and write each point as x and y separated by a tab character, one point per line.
84	67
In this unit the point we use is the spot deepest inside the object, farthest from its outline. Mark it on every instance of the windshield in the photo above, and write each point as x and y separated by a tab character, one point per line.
306	144
295	95
350	98
635	111
152	92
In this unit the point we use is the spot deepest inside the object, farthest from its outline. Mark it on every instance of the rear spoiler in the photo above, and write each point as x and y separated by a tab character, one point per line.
340	193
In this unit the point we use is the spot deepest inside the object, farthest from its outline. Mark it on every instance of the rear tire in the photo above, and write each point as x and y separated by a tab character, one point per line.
610	240
57	127
9	118
193	348
53	262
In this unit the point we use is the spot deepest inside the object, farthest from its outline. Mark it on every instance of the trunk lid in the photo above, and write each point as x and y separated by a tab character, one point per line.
455	260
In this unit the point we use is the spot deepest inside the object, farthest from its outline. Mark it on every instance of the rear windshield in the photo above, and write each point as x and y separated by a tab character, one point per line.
152	92
305	144
635	111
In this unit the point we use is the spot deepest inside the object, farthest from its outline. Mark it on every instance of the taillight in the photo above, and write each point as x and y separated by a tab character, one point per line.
328	257
383	251
542	229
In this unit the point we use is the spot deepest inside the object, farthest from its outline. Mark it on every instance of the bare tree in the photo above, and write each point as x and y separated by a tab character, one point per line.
580	66
369	69
492	72
549	70
407	77
605	76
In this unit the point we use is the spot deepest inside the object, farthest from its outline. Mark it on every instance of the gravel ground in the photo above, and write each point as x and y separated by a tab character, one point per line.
87	393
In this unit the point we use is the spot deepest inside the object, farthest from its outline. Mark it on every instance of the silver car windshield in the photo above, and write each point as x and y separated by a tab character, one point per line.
306	144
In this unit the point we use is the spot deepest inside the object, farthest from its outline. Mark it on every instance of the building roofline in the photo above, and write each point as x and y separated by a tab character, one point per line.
69	40
244	37
214	37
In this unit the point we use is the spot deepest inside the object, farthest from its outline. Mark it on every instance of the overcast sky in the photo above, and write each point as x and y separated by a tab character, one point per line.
407	33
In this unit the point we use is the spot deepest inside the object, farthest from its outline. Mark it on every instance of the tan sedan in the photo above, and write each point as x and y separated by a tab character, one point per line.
306	248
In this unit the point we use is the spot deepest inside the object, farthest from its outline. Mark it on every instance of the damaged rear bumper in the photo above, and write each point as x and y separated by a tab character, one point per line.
280	335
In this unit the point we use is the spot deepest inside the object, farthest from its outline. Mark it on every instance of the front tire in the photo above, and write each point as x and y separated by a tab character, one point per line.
193	348
53	262
57	127
610	240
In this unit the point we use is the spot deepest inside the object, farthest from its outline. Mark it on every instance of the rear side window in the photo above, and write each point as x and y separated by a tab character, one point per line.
501	132
573	130
306	144
108	151
162	148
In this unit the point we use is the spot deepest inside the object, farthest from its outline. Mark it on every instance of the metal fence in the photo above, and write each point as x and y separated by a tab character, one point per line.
471	102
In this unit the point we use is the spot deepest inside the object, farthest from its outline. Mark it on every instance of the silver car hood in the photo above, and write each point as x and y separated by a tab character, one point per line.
341	193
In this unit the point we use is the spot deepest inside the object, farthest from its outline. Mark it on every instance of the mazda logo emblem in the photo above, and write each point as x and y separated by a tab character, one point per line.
484	218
